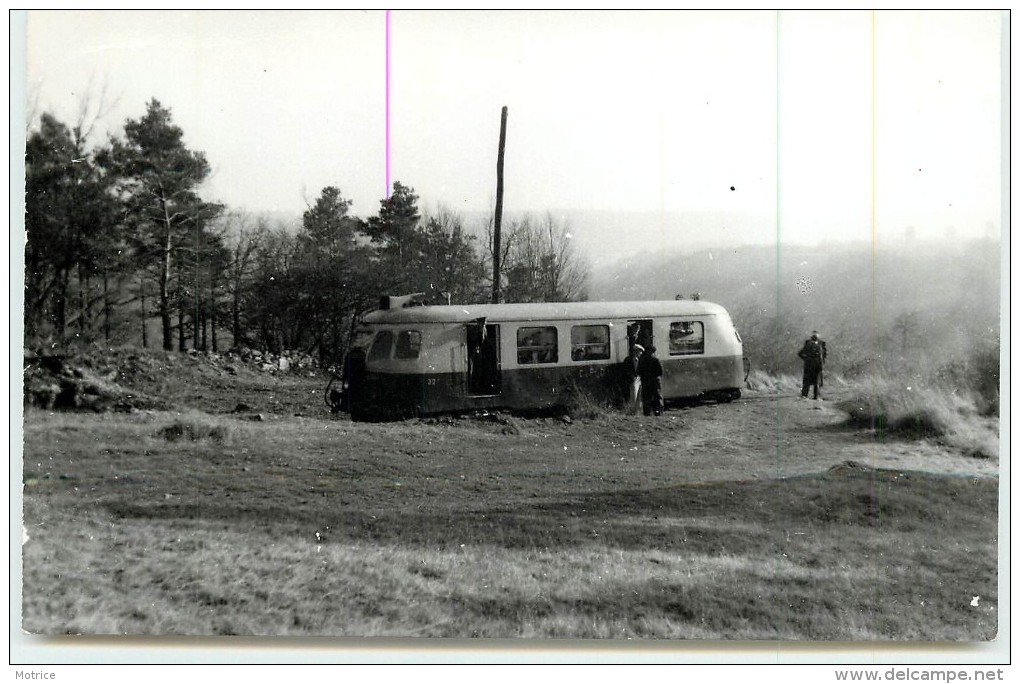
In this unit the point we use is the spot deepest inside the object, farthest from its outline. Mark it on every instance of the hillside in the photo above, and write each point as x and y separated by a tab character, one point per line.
869	302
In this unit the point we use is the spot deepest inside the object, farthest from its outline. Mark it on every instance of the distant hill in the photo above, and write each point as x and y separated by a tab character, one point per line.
870	302
609	235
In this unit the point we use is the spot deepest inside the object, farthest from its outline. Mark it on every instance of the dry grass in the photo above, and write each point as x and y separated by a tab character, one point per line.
182	579
766	383
460	528
587	403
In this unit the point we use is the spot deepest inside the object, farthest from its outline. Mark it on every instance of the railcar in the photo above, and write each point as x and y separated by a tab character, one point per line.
411	359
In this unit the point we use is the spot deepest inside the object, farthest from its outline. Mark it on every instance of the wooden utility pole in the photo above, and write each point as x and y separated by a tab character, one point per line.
499	211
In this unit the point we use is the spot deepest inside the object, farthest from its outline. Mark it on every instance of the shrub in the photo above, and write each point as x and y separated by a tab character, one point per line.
588	403
899	411
922	413
977	372
193	431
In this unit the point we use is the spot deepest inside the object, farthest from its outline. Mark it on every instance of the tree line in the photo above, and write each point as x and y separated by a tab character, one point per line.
119	236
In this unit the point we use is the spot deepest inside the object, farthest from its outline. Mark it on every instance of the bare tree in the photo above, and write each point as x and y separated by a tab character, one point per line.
542	263
94	105
245	234
507	242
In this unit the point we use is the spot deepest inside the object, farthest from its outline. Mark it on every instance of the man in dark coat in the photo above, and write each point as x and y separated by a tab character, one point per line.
650	371
632	378
813	354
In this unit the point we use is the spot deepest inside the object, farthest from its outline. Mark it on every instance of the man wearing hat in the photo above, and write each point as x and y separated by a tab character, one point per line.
630	371
813	354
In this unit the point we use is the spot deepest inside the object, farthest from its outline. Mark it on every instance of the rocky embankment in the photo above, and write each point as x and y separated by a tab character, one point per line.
132	379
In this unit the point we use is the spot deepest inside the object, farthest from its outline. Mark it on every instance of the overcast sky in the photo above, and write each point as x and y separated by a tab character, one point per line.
798	126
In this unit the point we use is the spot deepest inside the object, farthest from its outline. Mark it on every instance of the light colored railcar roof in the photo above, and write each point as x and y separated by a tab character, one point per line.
549	311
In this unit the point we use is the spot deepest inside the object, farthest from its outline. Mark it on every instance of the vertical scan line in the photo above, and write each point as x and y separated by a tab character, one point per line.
662	183
873	498
387	104
777	558
874	227
778	312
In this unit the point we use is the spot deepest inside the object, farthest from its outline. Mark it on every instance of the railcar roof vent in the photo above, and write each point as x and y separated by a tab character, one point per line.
387	302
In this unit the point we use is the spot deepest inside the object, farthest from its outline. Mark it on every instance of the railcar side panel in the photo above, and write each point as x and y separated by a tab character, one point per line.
408	394
694	377
405	395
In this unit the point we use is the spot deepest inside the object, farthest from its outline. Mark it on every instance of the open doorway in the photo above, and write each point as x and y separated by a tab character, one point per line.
483	359
639	332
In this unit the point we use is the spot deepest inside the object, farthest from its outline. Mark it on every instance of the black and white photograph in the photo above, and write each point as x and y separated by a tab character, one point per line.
652	331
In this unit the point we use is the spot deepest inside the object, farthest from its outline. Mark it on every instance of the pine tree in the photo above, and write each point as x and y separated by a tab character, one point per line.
159	181
72	224
395	230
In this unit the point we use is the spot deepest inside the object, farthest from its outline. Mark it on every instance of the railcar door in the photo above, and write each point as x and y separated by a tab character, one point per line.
484	376
639	332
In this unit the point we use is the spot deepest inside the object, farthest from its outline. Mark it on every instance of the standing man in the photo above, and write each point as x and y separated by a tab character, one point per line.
813	354
630	373
650	371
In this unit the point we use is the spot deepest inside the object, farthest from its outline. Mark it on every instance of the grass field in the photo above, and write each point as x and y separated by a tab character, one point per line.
764	519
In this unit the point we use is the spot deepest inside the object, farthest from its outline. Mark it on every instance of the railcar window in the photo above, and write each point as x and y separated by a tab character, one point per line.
408	344
537	345
382	345
686	337
589	342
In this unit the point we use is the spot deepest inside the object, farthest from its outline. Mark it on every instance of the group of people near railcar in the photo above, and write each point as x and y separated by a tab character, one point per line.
644	375
643	372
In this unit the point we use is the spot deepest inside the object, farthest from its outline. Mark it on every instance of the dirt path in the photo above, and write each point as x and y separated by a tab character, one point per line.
768	436
763	435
